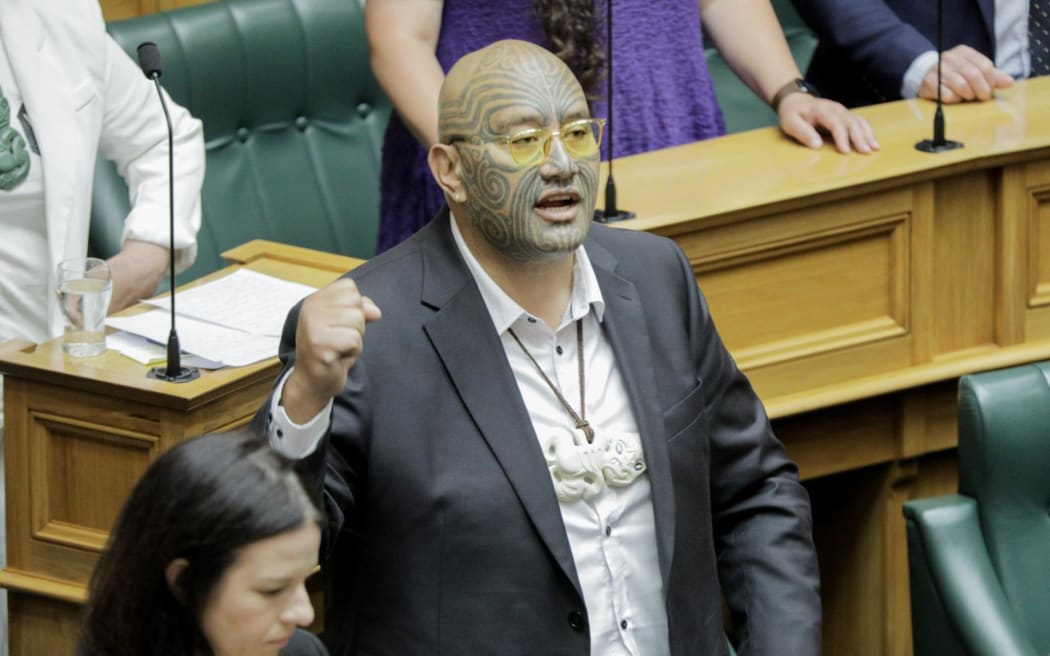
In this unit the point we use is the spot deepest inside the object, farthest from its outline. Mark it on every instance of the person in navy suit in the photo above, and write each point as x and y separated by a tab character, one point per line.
542	446
873	51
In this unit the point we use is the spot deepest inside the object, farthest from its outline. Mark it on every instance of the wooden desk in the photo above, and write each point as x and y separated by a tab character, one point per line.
79	433
854	290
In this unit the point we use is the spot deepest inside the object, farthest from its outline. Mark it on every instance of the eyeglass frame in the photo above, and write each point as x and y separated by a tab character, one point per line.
475	140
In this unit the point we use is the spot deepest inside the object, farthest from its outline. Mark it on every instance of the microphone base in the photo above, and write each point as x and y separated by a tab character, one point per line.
183	375
935	146
601	216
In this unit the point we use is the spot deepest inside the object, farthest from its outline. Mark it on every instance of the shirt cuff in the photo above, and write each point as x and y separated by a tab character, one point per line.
916	72
288	438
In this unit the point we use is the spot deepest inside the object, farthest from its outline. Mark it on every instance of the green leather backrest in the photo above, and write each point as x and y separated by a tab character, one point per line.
1004	463
293	124
742	109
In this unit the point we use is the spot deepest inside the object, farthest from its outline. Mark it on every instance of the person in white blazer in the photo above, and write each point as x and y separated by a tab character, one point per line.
68	93
72	94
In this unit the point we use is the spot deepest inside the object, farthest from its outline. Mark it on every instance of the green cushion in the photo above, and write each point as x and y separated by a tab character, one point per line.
958	606
293	124
980	560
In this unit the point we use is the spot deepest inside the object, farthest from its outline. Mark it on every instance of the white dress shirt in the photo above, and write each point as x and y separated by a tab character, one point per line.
1011	48
612	533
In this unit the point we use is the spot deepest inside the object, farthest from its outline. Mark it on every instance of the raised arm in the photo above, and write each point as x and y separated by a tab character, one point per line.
748	35
402	39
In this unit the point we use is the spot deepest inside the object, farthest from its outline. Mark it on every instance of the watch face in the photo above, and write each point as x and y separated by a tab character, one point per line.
806	87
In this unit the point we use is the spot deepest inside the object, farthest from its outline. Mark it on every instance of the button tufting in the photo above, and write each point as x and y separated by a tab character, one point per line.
243	134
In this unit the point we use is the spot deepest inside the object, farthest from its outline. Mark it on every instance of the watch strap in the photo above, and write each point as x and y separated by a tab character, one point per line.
798	85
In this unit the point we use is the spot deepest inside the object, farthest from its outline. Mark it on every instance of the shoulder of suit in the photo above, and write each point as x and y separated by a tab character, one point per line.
615	239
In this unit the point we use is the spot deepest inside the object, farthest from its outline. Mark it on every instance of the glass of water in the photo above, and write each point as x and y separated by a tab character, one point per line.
84	290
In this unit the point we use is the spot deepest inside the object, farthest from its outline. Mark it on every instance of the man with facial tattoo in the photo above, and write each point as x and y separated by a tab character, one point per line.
542	446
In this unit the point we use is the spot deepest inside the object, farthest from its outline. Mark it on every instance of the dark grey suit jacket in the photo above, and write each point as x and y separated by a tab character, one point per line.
304	643
446	535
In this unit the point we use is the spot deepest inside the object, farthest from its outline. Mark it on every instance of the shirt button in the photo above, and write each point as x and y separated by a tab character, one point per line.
280	433
558	349
576	621
532	319
608	531
623	624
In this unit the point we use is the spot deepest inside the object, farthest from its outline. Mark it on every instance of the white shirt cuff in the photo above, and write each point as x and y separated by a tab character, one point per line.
916	72
289	438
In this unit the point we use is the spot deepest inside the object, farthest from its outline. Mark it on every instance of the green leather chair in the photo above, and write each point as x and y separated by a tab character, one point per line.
980	559
742	109
293	124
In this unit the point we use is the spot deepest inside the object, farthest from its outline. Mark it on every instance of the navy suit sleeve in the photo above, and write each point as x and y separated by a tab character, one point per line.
334	472
761	514
869	33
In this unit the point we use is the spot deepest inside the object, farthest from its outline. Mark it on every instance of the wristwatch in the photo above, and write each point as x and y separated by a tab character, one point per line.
798	85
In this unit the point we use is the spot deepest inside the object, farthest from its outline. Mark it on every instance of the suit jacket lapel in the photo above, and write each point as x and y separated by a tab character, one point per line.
466	341
625	326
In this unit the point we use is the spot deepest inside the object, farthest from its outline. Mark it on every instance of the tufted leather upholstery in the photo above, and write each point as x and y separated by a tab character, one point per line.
980	560
293	124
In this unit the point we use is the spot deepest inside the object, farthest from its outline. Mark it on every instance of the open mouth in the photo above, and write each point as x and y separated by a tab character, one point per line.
558	205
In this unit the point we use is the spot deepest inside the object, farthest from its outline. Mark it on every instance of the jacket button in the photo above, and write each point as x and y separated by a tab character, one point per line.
577	621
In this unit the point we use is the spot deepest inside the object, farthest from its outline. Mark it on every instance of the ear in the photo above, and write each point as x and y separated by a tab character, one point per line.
173	575
444	163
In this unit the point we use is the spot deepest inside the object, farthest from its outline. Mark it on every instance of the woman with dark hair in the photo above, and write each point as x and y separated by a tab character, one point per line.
208	558
662	92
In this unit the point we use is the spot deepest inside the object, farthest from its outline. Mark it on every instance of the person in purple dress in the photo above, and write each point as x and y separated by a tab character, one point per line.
663	92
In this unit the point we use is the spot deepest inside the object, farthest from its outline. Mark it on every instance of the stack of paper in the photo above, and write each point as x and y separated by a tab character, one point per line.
235	320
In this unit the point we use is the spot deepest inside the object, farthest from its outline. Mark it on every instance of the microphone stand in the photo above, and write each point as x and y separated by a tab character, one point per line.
938	144
173	371
610	213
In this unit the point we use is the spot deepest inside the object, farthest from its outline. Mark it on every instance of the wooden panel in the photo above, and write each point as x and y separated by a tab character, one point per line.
77	469
849	531
826	442
929	419
819	283
825	295
1039	246
1012	249
964	263
1036	230
41	626
121	9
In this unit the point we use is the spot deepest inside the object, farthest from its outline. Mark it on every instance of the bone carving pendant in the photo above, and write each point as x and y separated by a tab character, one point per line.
581	471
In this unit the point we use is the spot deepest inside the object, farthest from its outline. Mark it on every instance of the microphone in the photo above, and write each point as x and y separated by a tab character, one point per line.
938	144
173	372
611	212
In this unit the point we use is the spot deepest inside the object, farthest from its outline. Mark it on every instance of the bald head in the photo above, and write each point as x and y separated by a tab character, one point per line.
483	87
508	210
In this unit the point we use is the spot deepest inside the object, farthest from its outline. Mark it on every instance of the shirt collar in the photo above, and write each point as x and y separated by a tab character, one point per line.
505	311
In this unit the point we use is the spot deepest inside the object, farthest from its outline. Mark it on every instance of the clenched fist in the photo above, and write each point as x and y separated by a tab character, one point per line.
328	340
